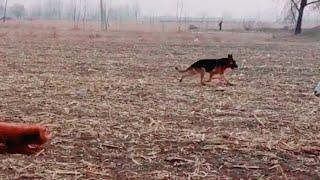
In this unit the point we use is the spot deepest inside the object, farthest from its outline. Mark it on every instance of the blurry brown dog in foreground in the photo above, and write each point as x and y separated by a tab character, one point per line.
212	66
21	138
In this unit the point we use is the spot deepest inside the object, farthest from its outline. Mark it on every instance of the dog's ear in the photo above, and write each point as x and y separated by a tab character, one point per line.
230	56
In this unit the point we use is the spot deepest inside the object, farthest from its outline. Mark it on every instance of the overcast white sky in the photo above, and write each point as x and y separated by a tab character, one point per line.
263	9
211	7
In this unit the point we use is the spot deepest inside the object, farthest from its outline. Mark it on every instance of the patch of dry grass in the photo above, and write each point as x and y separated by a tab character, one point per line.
116	110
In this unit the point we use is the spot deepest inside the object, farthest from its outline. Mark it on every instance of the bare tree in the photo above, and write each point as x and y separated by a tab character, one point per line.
105	11
84	16
298	7
108	14
52	9
103	15
74	14
136	9
18	10
79	12
291	15
36	9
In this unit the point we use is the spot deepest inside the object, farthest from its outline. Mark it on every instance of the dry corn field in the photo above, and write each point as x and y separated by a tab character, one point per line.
116	110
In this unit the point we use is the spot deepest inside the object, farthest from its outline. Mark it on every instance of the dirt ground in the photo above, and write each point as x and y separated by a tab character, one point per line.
116	110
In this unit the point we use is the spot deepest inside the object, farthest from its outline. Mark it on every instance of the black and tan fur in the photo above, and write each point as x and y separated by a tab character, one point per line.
212	66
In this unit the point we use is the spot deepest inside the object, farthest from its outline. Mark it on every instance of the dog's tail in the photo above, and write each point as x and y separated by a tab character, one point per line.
181	71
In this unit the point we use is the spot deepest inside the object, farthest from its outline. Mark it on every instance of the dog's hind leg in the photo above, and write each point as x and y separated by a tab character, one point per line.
202	76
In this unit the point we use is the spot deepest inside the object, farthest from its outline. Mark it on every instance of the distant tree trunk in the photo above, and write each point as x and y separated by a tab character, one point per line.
74	14
207	25
300	16
136	16
84	17
106	16
5	11
136	10
79	14
102	15
162	26
299	23
300	9
59	10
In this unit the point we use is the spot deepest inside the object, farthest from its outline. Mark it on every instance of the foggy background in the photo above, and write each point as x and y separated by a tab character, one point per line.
261	10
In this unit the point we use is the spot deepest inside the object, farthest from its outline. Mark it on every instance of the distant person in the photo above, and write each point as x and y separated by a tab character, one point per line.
193	27
220	25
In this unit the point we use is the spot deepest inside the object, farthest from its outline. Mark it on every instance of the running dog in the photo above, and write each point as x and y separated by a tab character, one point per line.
212	66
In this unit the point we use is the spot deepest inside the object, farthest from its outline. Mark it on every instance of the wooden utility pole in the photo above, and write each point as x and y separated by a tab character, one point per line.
5	11
179	13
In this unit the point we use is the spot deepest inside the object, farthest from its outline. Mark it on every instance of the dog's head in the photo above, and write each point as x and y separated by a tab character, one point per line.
231	63
38	133
317	90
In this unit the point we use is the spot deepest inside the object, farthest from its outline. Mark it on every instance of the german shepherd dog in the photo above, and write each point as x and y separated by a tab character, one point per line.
212	66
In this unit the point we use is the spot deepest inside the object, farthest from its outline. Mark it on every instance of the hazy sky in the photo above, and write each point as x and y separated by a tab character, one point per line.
263	9
211	7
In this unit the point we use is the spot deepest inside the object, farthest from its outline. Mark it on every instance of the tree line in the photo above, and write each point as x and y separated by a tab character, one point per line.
69	10
83	10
